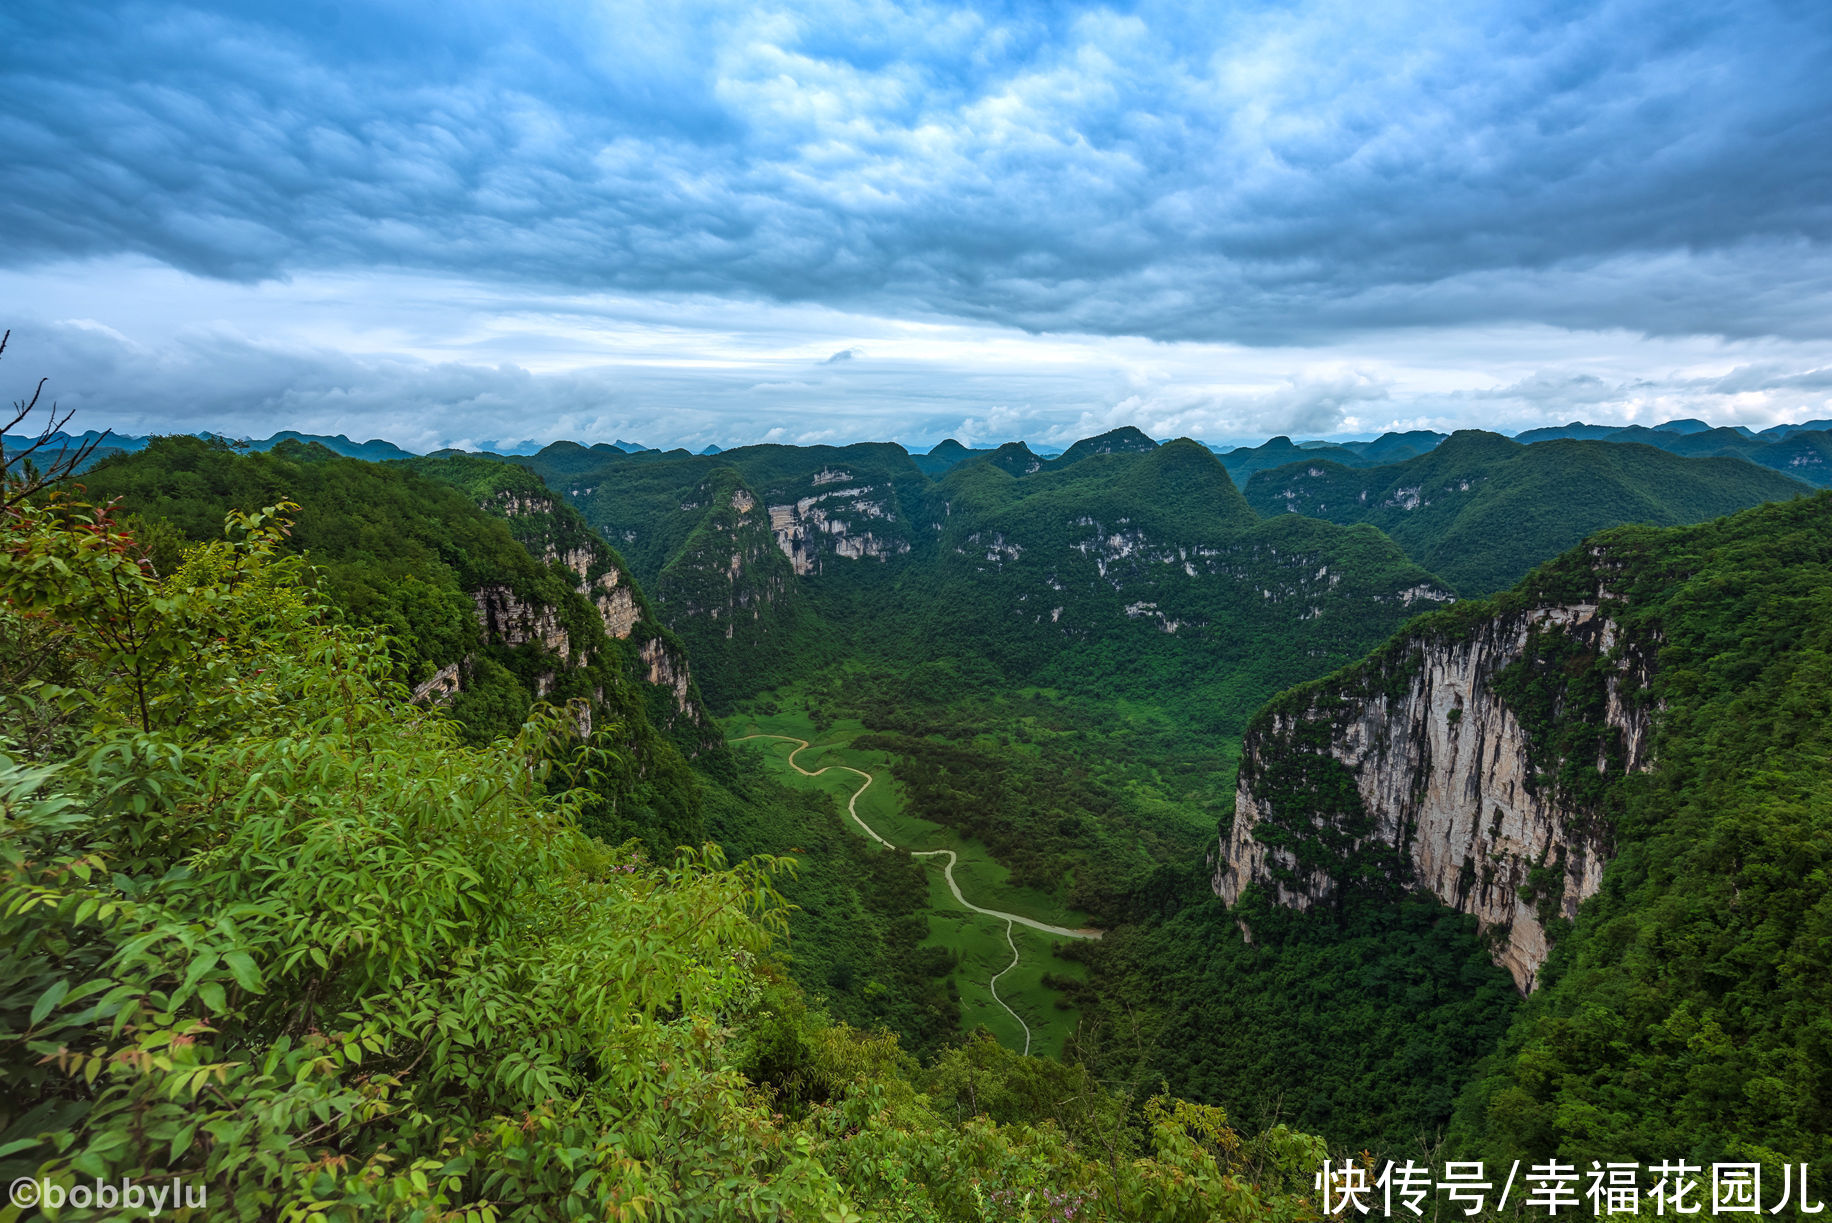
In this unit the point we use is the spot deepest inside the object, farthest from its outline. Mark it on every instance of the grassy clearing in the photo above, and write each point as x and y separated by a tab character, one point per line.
978	940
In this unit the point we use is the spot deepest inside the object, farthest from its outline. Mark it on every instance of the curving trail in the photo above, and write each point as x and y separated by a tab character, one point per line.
947	872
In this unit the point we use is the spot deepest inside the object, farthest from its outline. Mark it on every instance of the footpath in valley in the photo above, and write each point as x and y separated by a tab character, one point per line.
852	809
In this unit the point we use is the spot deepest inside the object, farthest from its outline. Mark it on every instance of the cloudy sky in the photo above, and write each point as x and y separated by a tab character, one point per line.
681	223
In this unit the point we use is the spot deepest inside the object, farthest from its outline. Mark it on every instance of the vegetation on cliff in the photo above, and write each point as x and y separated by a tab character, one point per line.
1688	1007
406	554
1685	1008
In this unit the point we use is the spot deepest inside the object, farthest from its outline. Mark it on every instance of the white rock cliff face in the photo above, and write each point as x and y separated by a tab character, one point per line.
616	603
667	670
1444	774
813	525
505	616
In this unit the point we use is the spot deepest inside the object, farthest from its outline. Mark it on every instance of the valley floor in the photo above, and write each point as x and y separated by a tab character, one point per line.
1003	936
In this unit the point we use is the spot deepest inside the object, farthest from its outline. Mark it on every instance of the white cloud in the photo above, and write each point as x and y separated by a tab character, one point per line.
426	362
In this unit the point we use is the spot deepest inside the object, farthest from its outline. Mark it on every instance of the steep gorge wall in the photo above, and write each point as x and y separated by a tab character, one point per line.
837	522
558	535
1419	752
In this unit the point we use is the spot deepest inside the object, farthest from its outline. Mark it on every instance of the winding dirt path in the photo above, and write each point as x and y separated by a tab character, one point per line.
852	809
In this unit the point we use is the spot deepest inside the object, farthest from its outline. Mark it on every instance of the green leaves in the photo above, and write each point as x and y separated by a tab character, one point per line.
48	1000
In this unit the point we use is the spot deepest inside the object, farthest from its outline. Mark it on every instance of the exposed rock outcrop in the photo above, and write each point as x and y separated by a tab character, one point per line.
1447	774
827	522
514	622
615	599
666	668
445	683
728	575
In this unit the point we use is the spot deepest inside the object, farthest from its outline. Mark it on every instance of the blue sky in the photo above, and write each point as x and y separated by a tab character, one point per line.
682	223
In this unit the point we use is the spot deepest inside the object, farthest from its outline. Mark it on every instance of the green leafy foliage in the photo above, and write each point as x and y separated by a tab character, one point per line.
408	554
1361	1024
291	939
856	930
270	929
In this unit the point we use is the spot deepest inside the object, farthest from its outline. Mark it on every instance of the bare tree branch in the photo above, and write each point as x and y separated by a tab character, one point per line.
20	472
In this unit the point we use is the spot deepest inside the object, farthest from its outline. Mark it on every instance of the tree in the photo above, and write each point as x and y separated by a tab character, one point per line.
20	473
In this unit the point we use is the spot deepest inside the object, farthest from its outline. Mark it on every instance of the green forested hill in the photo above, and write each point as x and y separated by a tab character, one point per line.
1804	452
1481	510
1056	658
1124	440
405	548
1685	1008
1148	573
1119	563
648	503
944	455
1122	571
556	534
1243	462
418	559
1058	665
1691	1005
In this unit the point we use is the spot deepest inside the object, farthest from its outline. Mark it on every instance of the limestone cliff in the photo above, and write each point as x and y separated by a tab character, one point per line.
731	592
1473	754
848	521
516	621
555	532
579	585
729	576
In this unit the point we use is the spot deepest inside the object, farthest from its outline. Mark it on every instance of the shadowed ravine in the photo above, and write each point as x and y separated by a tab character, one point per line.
947	872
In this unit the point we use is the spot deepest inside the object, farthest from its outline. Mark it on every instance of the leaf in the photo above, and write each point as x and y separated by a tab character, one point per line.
246	974
181	1142
48	1001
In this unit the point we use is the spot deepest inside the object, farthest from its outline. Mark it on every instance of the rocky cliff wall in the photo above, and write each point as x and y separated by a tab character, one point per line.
838	522
558	535
516	621
615	598
728	576
1445	772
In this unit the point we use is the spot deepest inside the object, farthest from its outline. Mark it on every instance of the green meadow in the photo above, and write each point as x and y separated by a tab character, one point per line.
976	940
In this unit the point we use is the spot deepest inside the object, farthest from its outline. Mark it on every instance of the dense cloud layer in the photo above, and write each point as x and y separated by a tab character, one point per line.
1261	174
333	355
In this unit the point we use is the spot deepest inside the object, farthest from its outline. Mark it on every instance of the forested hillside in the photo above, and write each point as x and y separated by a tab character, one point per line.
495	596
1058	669
554	533
982	626
474	621
1801	451
275	934
1700	976
1661	696
1120	563
1047	667
1481	510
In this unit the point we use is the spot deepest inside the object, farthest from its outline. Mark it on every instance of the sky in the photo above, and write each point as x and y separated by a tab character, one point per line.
487	224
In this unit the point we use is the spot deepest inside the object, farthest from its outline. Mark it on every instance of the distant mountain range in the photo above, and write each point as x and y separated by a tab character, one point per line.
1687	427
1481	510
1803	451
375	450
